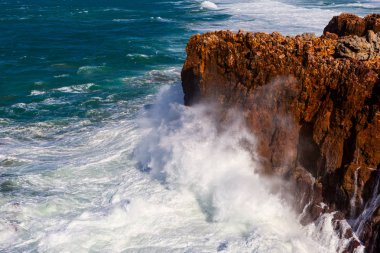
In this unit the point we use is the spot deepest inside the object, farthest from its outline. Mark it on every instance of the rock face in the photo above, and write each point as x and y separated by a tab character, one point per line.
314	105
360	48
349	24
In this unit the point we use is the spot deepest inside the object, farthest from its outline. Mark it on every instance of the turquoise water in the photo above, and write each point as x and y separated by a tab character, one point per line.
91	122
46	48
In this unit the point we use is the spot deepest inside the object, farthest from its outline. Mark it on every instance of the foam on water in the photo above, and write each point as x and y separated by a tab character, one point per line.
271	15
79	88
88	70
209	5
174	183
136	56
288	17
36	93
62	76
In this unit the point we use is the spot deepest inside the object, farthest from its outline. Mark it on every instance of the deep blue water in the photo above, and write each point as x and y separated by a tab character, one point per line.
74	78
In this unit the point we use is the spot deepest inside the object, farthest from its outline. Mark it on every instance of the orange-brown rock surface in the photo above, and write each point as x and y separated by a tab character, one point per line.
315	113
349	24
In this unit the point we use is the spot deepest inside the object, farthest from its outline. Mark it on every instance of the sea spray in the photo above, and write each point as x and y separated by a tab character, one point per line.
186	150
177	182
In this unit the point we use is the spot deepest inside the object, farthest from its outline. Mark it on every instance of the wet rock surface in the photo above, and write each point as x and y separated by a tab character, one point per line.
314	105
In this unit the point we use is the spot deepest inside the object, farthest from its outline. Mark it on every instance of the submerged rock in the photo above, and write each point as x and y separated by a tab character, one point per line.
312	102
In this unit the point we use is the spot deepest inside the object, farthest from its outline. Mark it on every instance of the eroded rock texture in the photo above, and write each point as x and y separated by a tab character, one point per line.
349	24
314	108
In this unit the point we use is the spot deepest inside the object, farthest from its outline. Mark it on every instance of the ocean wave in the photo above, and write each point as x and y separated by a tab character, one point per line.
20	105
138	56
37	93
164	76
10	161
186	151
82	11
269	16
198	191
208	5
123	20
80	88
88	70
360	4
160	19
62	66
4	121
62	76
53	101
114	9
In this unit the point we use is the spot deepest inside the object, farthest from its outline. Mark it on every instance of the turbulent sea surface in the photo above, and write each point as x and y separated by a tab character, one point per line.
97	152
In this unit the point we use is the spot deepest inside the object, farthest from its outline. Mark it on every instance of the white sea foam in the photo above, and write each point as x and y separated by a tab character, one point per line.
88	70
160	19
138	56
368	5
54	101
114	9
208	5
61	76
168	76
269	16
4	121
187	151
20	105
201	195
36	92
323	230
80	88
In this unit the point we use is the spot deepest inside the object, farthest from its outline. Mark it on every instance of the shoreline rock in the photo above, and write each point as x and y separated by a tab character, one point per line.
314	105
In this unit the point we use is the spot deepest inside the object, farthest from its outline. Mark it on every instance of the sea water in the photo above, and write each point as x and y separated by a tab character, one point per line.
97	151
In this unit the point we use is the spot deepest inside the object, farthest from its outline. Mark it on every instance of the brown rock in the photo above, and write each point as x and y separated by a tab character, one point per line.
346	24
360	48
316	116
373	22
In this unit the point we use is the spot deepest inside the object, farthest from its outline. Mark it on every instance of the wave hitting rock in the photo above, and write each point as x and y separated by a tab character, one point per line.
313	104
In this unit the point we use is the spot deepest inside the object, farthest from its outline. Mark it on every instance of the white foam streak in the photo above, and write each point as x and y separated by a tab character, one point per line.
80	88
36	93
88	70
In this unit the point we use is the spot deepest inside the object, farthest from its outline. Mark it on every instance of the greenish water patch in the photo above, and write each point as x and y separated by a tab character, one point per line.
8	186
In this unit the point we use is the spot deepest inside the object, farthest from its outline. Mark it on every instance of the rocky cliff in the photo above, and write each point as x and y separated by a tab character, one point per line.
314	105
